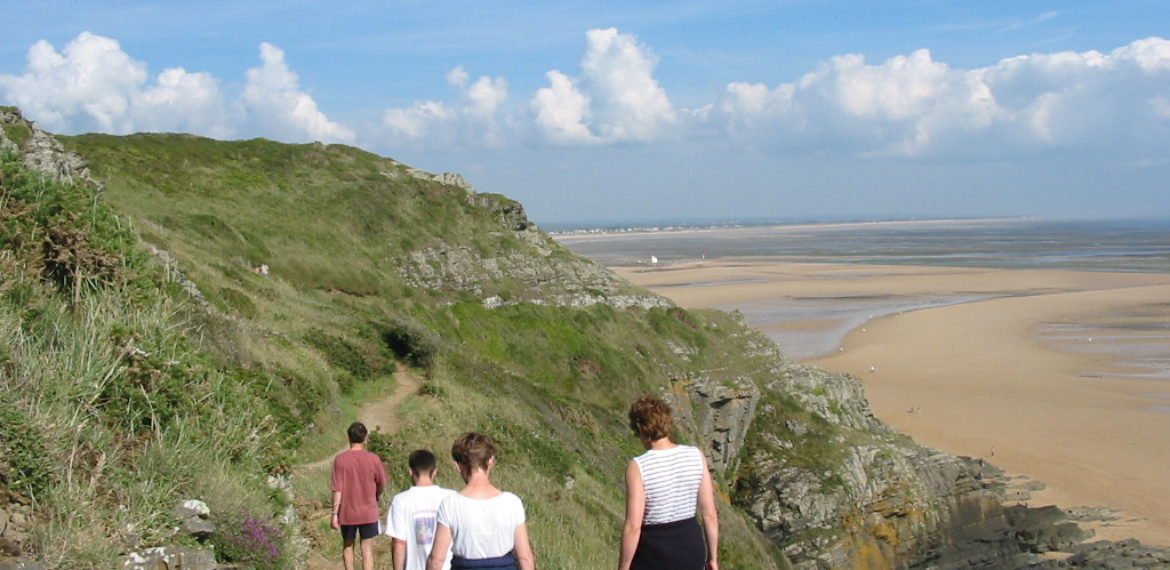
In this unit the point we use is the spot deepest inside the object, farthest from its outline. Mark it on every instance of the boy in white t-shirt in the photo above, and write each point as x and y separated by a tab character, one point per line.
411	520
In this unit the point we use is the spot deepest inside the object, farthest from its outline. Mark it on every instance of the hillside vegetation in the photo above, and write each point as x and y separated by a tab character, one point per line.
147	361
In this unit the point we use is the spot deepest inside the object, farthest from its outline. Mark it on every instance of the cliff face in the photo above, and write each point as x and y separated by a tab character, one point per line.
836	488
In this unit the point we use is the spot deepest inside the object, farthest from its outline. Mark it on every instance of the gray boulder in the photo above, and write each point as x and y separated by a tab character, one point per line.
194	518
170	558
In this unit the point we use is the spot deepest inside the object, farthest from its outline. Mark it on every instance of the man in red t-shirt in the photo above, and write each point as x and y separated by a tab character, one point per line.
358	480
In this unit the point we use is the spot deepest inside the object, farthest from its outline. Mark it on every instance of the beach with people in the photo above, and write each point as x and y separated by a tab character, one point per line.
1052	374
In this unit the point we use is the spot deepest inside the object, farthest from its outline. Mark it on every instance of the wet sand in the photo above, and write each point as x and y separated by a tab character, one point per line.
1050	374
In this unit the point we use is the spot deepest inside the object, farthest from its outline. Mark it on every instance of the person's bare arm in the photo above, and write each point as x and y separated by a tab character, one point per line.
336	522
399	553
523	550
439	547
635	510
710	517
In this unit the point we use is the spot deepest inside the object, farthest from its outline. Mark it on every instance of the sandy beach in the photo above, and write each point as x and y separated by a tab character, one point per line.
1045	373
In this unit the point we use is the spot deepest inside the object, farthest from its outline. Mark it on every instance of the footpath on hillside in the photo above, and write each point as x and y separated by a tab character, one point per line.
379	415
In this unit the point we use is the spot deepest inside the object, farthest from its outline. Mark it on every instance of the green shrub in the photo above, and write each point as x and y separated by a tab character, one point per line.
340	353
433	390
24	464
411	342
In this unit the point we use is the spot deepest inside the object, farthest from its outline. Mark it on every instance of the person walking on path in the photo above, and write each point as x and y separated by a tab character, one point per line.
663	488
484	526
358	480
411	520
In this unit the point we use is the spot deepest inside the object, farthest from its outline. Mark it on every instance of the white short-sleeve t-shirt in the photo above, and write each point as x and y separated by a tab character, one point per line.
412	519
482	528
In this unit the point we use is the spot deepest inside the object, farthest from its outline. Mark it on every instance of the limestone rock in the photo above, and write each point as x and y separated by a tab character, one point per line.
192	508
723	413
193	516
553	280
1045	529
170	558
1107	555
43	152
448	178
197	527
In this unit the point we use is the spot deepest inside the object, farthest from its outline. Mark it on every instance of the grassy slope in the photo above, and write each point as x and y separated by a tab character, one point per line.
334	317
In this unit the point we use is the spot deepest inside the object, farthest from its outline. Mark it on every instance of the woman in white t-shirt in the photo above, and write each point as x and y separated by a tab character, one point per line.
663	488
484	526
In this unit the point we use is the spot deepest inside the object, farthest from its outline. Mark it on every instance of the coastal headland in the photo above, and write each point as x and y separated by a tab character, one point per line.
1040	372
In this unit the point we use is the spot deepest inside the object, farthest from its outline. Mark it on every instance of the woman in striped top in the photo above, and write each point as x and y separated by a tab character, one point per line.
663	488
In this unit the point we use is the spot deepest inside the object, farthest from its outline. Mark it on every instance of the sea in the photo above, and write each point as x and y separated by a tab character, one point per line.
1091	245
1138	343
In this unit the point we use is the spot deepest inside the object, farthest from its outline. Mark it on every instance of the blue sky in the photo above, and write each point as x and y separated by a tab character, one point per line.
614	111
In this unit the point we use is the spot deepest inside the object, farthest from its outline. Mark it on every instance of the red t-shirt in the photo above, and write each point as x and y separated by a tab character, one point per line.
360	477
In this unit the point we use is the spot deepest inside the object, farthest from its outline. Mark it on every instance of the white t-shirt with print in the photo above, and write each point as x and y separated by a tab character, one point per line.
482	528
412	519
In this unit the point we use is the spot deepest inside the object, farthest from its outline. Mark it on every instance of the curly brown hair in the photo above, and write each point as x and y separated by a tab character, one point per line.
473	450
650	418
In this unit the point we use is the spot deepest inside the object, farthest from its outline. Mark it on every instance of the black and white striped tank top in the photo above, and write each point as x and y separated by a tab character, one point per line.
671	478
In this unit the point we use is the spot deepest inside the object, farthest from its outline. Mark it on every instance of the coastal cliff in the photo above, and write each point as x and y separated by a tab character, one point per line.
303	276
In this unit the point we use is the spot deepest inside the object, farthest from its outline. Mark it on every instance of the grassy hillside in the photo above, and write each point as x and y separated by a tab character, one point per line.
109	410
223	376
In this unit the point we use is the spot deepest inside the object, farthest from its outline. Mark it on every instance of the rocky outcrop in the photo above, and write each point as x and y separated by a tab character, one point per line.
539	270
720	410
42	151
171	558
1106	555
448	178
552	280
509	213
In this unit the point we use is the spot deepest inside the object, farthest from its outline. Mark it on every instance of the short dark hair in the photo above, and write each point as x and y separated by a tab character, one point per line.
422	461
473	450
650	418
357	432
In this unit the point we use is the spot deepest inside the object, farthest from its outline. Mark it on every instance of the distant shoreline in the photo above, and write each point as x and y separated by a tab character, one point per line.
635	231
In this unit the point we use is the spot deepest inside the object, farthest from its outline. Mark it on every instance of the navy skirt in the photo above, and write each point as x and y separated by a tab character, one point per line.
675	545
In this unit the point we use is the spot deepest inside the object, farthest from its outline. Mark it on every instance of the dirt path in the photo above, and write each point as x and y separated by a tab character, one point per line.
380	415
377	415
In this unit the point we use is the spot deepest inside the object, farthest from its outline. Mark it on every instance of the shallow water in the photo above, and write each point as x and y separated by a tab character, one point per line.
1135	342
834	318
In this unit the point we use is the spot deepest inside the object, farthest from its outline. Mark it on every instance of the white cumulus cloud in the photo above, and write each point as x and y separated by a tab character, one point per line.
914	105
562	111
1114	103
89	85
616	99
480	118
181	102
274	104
93	85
